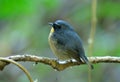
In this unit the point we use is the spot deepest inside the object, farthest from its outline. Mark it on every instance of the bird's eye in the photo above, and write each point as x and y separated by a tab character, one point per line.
59	26
56	26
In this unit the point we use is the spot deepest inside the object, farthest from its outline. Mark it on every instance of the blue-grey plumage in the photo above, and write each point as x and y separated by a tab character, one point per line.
65	42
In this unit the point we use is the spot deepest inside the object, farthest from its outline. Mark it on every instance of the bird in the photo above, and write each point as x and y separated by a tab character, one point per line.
65	43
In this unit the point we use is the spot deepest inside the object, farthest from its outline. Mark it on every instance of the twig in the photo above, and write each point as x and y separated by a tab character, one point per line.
92	34
19	65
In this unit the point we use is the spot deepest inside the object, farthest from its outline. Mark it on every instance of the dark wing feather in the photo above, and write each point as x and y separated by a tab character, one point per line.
75	48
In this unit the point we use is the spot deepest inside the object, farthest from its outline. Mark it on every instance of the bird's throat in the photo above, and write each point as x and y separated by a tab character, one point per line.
52	30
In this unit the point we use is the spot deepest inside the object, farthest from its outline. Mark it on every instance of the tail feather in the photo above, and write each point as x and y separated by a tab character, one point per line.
84	58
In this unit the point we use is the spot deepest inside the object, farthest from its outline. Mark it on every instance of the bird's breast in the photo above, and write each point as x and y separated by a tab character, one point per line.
57	49
52	42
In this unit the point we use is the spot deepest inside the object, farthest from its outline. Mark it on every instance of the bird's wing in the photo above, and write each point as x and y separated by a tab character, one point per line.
73	45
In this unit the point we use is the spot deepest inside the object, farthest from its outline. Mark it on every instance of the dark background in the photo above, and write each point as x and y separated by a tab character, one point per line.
24	29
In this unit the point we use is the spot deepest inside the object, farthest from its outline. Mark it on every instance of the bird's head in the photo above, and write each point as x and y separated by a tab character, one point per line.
60	25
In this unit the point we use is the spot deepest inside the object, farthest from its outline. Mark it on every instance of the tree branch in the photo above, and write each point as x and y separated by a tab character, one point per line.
56	64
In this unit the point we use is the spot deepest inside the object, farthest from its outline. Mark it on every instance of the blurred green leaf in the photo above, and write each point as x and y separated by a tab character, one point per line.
109	9
15	7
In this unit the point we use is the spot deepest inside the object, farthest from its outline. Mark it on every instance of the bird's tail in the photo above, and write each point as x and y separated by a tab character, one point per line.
84	58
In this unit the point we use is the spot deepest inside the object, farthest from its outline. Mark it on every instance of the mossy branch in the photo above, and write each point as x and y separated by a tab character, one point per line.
55	63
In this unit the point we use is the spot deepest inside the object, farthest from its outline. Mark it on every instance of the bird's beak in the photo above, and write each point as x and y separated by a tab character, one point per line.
52	29
51	24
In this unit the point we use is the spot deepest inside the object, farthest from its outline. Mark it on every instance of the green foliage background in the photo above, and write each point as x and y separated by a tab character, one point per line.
24	29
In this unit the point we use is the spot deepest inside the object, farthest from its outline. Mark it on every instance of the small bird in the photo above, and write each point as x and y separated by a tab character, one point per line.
65	42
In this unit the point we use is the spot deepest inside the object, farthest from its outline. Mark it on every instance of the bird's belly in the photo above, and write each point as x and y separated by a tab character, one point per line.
58	50
61	55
